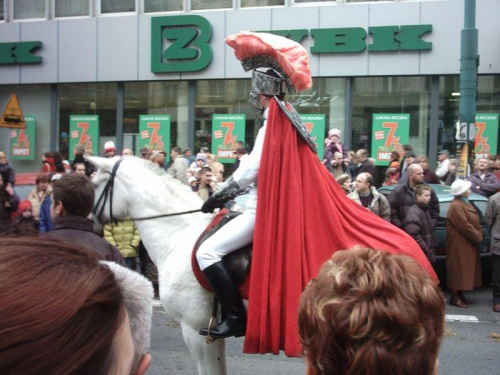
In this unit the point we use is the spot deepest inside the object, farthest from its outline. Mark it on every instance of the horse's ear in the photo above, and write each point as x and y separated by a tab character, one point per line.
104	164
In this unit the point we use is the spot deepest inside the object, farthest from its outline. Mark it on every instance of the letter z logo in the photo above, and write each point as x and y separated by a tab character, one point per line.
180	44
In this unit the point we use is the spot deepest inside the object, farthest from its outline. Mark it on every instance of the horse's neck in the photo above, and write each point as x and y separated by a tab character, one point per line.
164	236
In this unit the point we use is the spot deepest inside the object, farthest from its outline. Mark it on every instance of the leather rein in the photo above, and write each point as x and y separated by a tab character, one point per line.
108	192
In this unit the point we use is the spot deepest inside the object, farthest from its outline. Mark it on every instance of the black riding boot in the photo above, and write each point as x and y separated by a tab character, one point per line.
229	297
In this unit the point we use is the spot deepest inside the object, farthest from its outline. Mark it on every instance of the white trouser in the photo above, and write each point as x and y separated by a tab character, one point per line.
232	236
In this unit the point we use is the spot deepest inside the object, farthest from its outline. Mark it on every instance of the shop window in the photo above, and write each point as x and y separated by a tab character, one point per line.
24	9
215	4
162	6
261	3
1	11
391	95
117	6
72	8
155	98
312	1
88	99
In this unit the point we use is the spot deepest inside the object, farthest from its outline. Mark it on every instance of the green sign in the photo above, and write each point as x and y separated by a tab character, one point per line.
315	125
486	134
84	130
180	44
22	141
226	131
389	133
154	132
19	53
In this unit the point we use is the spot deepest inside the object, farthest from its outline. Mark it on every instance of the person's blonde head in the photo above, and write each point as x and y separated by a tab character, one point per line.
370	312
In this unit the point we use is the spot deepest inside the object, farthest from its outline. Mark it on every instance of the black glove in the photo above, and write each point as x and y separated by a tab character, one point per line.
211	204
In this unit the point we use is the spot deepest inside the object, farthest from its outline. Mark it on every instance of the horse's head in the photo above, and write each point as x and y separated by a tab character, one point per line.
111	193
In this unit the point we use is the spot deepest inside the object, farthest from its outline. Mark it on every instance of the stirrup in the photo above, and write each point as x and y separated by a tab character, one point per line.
209	339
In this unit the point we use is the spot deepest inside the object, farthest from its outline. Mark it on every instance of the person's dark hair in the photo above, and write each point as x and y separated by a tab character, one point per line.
407	148
60	309
42	177
205	170
58	161
76	164
364	152
395	156
186	150
371	312
420	188
241	151
178	150
76	193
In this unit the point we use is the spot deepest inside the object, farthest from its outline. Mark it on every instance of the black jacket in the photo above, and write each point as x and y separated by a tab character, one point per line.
78	230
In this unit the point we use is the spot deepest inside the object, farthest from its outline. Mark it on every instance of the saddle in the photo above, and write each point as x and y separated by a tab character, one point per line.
238	261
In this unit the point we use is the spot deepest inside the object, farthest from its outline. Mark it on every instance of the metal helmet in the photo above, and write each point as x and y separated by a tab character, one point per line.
269	83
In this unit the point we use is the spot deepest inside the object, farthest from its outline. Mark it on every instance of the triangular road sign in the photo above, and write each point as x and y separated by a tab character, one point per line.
12	115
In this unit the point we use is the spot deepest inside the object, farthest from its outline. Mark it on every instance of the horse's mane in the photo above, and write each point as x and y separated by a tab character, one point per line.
161	186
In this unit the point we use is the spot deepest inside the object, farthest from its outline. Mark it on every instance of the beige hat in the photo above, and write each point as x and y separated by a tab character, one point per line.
458	187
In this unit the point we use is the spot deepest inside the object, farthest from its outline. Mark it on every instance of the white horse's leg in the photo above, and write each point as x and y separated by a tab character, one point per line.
210	358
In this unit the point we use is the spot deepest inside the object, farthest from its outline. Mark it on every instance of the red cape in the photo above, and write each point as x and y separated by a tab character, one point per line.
303	217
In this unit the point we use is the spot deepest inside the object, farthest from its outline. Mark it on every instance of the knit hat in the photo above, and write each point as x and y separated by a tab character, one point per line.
333	132
201	156
24	205
109	146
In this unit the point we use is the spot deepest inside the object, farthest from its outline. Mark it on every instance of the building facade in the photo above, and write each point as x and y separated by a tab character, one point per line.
123	59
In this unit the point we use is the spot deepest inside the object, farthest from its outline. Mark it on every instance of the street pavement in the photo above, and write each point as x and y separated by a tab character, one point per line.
469	345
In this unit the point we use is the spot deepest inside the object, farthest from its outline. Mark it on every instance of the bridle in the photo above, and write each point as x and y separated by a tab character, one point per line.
108	192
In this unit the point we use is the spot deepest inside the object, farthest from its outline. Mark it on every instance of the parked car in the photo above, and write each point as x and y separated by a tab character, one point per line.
444	197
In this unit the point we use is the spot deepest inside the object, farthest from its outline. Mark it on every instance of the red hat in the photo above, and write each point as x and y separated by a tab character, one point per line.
24	205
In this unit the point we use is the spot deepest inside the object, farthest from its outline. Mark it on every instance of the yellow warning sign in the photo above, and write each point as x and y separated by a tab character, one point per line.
12	115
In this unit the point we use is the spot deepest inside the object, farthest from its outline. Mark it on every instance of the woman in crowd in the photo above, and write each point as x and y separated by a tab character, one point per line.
345	183
9	202
429	176
64	312
7	170
463	235
39	193
371	312
452	173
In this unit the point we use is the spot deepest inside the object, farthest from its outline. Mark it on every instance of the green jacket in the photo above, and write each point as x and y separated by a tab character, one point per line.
124	236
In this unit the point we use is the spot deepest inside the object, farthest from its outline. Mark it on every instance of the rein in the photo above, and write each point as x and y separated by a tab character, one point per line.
108	191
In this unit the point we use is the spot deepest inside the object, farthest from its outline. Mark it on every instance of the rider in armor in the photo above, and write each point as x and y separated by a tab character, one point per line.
238	232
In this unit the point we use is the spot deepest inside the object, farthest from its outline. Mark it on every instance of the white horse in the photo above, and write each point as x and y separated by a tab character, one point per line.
142	189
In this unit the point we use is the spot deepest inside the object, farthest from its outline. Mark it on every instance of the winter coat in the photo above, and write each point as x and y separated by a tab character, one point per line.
463	235
332	148
366	167
487	187
45	221
430	177
25	227
7	171
77	230
379	206
8	205
402	198
418	224
492	218
36	200
124	236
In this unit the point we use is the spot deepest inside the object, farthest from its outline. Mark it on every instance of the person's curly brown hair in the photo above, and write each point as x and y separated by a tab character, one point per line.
370	312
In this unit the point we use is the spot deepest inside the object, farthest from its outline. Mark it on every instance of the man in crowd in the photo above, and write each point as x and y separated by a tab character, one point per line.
127	152
409	159
443	164
72	201
205	185
364	165
9	202
179	165
403	197
404	162
145	153
109	149
79	168
483	181
366	195
188	155
238	155
492	218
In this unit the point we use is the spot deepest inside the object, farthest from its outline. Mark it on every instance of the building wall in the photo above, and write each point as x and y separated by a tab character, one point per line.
118	47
